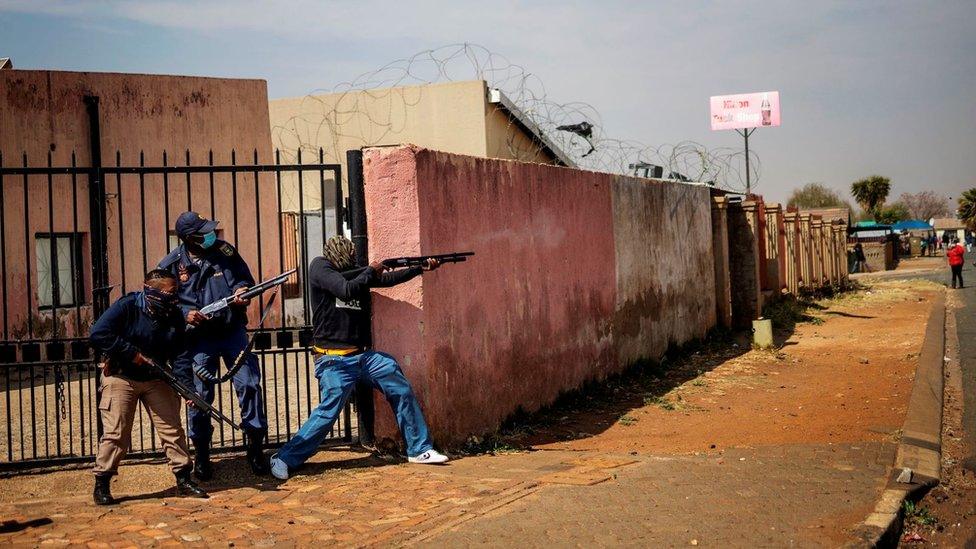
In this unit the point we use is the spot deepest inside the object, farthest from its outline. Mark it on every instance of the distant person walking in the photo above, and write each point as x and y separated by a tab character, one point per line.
860	261
945	241
969	241
955	254
924	244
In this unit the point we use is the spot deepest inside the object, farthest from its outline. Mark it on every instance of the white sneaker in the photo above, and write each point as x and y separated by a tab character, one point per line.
279	469
430	457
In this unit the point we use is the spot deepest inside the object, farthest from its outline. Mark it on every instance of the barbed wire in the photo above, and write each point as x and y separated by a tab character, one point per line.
373	108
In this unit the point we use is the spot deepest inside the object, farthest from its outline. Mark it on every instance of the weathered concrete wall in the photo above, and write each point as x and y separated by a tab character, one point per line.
744	263
806	252
720	249
791	231
576	276
664	293
774	241
44	112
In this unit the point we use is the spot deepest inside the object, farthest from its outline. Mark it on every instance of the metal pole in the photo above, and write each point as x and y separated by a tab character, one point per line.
97	229
745	134
365	410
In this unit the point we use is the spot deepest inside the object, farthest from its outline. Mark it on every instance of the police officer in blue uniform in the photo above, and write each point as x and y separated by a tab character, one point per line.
209	269
138	330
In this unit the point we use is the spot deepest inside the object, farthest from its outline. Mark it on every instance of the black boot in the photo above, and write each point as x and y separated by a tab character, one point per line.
202	468
186	487
103	490
255	453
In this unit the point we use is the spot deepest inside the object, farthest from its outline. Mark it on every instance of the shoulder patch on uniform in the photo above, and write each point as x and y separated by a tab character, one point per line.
168	261
227	250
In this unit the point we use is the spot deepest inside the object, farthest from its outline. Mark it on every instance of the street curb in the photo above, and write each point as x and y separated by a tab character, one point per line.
920	448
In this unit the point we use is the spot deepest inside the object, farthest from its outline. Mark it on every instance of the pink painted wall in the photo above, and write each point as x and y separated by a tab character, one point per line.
44	111
573	280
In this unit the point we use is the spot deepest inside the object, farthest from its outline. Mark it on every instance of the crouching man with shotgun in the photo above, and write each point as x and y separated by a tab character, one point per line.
138	335
341	359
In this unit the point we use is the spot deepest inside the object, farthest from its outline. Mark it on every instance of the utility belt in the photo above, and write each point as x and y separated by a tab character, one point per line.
319	351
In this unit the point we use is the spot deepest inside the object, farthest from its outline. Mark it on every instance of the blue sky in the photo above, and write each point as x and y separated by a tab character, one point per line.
867	87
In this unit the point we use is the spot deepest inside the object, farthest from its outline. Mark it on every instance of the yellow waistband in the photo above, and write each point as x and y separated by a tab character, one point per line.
334	352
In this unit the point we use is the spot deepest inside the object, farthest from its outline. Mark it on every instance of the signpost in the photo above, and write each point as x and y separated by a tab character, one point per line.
744	113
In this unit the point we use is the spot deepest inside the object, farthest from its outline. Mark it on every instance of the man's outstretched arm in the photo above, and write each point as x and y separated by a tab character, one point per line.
399	276
322	276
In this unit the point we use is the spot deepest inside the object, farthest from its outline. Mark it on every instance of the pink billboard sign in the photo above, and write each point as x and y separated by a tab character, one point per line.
745	110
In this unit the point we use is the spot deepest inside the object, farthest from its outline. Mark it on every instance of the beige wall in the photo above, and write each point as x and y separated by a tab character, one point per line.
453	117
508	141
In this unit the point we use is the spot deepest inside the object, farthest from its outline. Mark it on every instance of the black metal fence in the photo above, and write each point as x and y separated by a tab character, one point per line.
74	238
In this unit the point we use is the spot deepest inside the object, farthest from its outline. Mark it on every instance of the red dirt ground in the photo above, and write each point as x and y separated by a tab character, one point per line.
847	379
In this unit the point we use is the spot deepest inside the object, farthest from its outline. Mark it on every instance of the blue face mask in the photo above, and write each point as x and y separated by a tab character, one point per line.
208	240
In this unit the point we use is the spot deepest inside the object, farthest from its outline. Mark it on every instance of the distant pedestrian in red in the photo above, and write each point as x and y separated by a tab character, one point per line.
955	254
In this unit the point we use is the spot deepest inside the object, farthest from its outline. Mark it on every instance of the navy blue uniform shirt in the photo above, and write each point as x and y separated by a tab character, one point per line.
125	329
216	274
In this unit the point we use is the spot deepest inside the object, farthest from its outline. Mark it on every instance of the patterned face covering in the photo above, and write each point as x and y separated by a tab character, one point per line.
339	252
159	304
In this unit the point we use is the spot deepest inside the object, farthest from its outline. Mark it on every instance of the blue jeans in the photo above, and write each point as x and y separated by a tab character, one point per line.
207	351
337	376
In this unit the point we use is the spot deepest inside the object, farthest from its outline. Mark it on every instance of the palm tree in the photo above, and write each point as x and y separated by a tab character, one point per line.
967	208
871	192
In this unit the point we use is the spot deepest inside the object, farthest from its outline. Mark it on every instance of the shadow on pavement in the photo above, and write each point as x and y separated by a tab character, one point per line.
848	315
233	472
597	406
10	526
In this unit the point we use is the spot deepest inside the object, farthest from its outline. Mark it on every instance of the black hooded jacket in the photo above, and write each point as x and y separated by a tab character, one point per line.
338	320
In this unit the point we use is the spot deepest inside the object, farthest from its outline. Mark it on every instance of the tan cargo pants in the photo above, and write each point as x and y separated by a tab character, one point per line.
119	400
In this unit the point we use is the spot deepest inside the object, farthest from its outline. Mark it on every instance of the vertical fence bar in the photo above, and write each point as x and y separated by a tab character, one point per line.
121	205
55	298
3	262
257	223
303	246
189	195
142	210
236	212
53	250
97	228
79	299
213	208
365	410
27	257
282	321
165	206
340	215
96	194
3	278
281	233
30	317
93	417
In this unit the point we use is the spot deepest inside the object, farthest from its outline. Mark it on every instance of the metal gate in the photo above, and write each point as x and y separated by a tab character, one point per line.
75	238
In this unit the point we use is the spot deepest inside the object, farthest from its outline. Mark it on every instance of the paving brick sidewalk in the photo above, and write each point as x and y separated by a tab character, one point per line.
768	496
